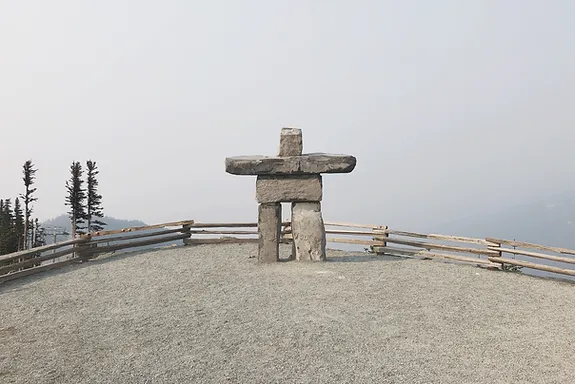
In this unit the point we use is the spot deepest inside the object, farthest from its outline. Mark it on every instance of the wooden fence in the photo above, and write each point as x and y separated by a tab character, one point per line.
376	239
381	240
560	261
86	247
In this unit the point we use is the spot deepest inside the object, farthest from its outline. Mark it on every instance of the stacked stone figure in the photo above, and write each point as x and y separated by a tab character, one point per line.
295	178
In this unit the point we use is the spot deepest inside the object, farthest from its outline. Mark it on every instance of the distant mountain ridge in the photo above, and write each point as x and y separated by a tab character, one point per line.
63	221
549	221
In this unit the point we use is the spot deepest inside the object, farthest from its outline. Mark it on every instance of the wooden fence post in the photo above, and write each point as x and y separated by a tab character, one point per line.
187	229
498	250
381	237
84	248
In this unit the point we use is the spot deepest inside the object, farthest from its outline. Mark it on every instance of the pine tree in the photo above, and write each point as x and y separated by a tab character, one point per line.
4	227
76	199
38	240
40	237
94	200
19	226
29	177
7	241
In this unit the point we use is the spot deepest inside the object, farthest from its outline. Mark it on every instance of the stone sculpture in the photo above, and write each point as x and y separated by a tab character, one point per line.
295	178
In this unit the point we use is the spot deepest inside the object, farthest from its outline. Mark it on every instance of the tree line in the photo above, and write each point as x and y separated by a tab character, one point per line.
85	202
20	231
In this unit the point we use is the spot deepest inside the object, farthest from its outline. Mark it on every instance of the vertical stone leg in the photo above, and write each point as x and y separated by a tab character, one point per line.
269	231
308	232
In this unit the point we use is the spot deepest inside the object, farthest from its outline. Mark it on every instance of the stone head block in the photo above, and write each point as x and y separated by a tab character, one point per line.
291	142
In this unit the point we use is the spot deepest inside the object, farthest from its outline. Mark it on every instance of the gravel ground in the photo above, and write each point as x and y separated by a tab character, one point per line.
210	314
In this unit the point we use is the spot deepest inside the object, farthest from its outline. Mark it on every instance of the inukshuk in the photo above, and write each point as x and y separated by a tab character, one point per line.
295	178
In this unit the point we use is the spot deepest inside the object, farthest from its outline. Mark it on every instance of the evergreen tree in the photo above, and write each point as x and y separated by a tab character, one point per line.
38	240
19	226
29	177
94	200
4	228
8	243
40	234
76	199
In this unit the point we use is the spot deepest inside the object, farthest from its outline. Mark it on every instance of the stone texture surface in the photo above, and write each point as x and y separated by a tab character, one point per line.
327	163
269	229
308	232
272	189
262	165
310	164
291	142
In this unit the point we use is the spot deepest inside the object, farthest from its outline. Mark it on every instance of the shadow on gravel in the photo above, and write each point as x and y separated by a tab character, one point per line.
21	283
360	258
108	257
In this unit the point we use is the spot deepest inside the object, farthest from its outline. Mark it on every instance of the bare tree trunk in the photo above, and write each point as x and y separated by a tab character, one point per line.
73	232
73	226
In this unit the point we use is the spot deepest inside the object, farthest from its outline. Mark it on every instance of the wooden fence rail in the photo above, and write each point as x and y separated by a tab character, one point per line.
382	236
231	236
384	241
559	264
377	239
89	246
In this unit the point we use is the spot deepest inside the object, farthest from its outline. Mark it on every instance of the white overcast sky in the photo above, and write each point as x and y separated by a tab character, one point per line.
451	107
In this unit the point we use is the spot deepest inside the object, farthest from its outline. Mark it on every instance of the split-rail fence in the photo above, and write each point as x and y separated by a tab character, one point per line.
491	253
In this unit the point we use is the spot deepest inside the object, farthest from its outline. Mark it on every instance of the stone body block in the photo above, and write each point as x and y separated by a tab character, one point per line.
269	232
308	231
275	189
308	164
291	142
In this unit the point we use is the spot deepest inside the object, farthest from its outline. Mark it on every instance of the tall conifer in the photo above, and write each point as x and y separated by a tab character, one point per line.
29	176
5	226
94	200
18	228
76	199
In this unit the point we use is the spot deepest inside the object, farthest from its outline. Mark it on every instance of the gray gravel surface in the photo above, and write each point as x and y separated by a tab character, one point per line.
211	314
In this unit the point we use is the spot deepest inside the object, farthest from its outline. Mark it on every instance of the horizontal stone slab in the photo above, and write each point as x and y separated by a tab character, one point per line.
308	164
283	189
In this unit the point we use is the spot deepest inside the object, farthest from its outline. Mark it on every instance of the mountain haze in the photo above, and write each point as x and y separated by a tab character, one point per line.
548	221
63	221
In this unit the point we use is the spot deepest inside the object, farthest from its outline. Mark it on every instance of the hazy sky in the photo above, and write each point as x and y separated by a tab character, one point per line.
451	107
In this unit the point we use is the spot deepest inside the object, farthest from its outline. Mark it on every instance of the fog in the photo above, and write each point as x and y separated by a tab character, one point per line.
452	108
